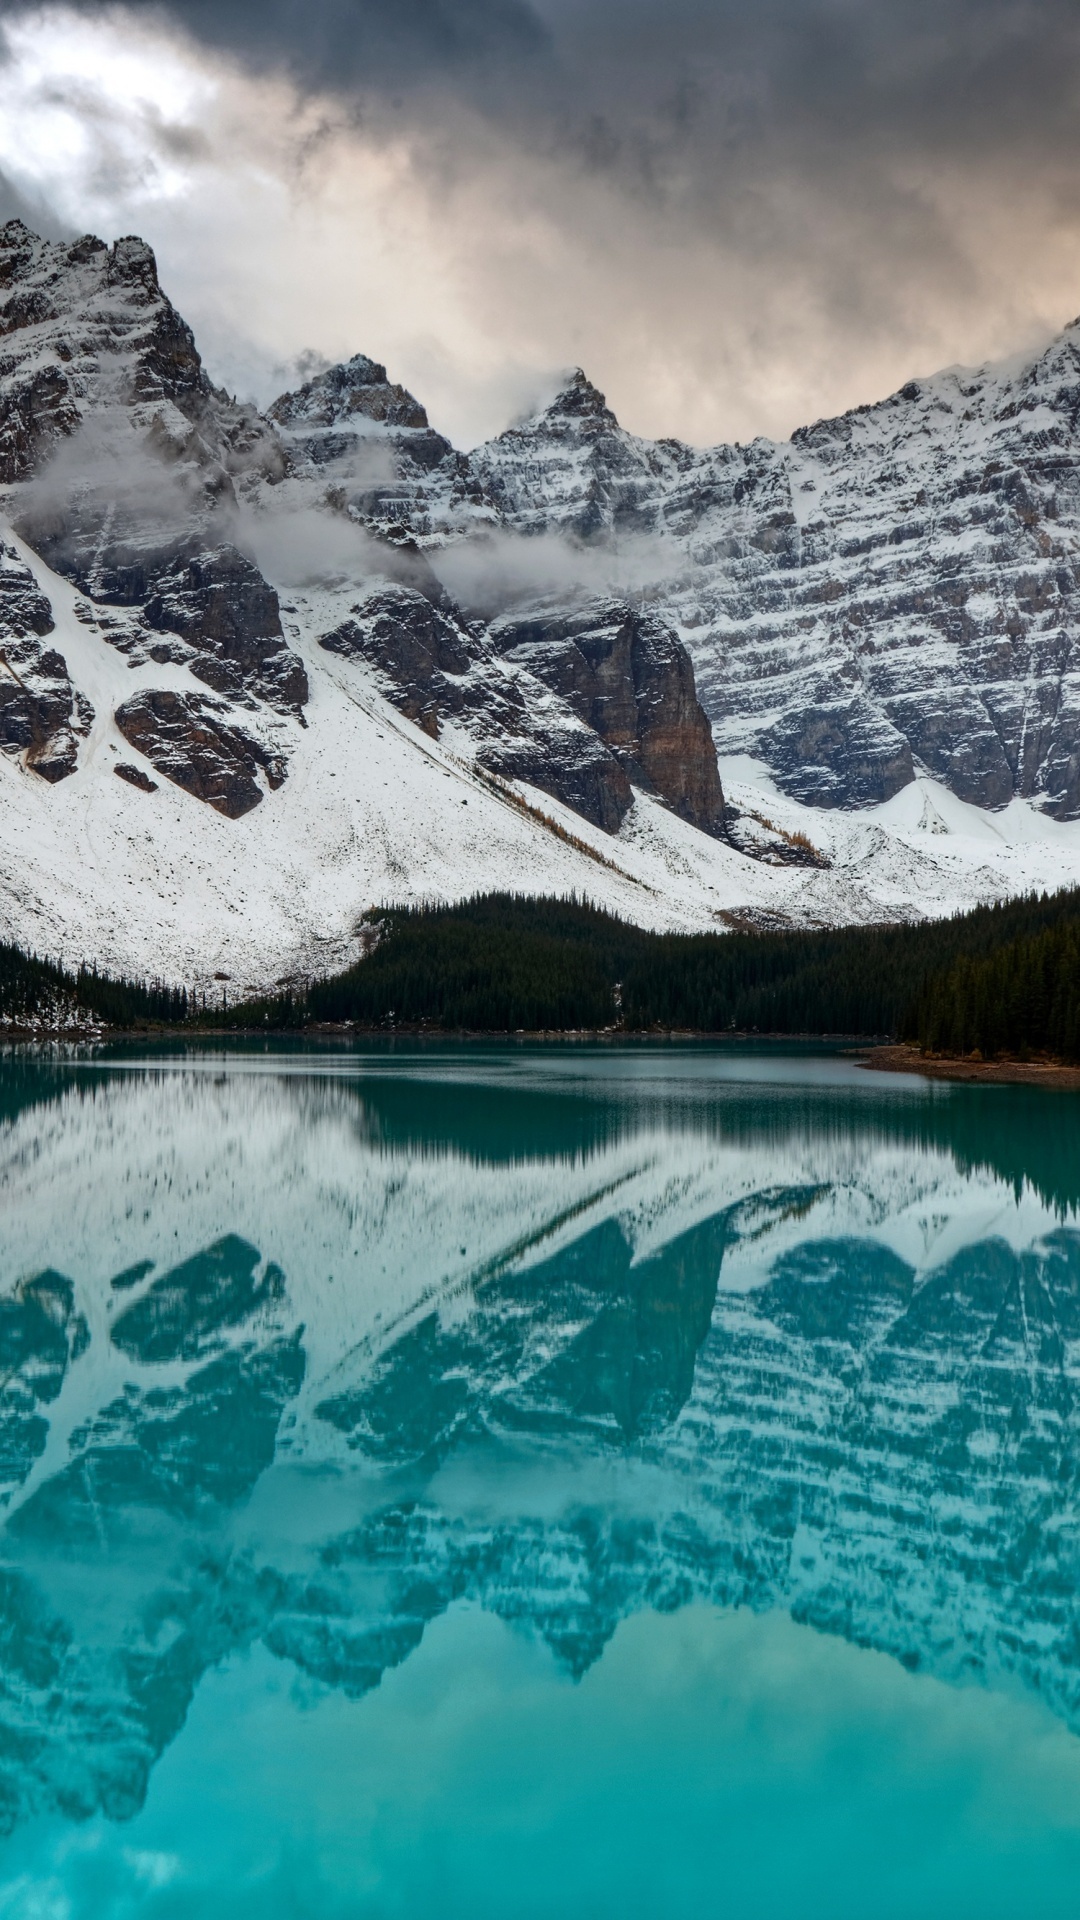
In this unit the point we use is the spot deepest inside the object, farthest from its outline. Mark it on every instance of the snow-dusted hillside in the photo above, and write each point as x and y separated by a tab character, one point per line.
259	676
372	811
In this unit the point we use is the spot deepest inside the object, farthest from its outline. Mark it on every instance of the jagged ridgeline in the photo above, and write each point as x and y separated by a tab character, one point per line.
1001	979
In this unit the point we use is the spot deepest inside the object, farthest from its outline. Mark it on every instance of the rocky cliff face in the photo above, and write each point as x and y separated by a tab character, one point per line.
188	739
437	671
889	592
41	714
586	706
131	475
625	674
120	458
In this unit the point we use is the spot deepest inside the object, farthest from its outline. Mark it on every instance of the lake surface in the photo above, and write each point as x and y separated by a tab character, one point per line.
513	1482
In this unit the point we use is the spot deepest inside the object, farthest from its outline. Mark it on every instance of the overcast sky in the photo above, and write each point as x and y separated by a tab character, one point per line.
738	215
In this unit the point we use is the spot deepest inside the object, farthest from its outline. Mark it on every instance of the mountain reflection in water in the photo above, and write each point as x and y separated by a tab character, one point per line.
300	1350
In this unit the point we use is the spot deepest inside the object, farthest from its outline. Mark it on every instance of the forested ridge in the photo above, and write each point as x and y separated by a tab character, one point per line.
1000	979
499	963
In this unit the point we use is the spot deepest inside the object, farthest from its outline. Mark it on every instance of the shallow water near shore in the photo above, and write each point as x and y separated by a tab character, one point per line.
503	1480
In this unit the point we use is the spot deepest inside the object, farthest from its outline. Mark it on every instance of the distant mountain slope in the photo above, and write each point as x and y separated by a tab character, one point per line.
892	592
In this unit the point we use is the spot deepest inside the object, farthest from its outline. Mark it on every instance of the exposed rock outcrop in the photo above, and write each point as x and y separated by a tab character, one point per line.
434	668
24	609
565	760
419	651
189	739
195	601
628	677
41	713
135	776
229	624
839	753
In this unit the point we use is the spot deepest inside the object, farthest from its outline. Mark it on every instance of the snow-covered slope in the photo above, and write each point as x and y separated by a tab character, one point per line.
373	811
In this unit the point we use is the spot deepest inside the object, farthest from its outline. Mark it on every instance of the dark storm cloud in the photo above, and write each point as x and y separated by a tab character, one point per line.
691	98
349	45
635	86
706	112
737	213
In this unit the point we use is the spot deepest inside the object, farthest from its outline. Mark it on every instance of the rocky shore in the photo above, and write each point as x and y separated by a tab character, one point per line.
1028	1073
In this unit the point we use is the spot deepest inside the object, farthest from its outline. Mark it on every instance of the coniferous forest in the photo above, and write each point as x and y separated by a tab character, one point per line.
38	992
1002	979
1023	998
505	964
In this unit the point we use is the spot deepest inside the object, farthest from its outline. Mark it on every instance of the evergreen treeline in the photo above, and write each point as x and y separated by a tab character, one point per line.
1000	979
495	964
500	964
1023	999
43	993
132	1003
31	989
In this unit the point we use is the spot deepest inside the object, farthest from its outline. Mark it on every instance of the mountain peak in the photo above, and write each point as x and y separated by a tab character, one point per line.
578	399
130	258
356	386
85	327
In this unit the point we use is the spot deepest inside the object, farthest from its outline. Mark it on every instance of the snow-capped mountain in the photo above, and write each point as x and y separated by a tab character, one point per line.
891	592
258	674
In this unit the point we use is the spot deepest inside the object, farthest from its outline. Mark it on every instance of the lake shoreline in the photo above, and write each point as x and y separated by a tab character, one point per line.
888	1057
419	1030
905	1058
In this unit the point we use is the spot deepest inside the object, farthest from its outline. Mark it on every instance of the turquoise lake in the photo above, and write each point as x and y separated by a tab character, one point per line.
619	1483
